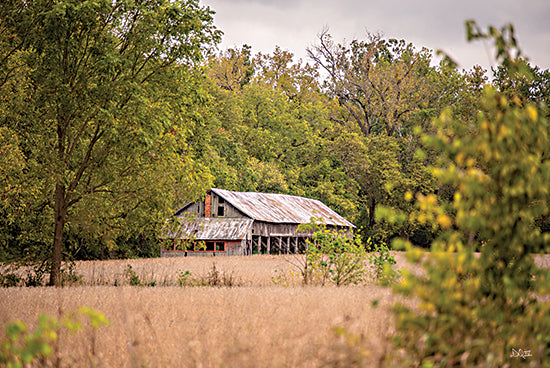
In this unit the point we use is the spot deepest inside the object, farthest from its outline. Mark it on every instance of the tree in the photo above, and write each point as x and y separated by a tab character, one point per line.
381	83
388	93
106	112
531	84
231	70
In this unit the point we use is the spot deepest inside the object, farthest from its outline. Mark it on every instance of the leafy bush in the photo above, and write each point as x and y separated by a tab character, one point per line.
9	279
23	348
332	257
481	310
382	262
133	278
184	278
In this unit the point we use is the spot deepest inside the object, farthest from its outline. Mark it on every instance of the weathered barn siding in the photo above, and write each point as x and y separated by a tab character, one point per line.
270	229
196	209
221	208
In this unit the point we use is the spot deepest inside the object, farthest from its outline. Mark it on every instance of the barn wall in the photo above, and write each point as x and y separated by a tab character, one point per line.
232	248
229	210
273	229
195	209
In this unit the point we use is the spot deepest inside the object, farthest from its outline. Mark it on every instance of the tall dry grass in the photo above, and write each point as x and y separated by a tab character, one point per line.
256	270
265	326
259	324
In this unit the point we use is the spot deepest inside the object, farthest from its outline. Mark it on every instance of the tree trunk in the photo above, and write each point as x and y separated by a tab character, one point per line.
372	207
60	217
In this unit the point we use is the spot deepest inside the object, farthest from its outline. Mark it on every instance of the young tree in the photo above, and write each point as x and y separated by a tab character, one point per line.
480	311
107	108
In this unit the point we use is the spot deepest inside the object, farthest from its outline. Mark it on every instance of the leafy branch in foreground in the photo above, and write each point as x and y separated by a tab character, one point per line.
23	347
475	310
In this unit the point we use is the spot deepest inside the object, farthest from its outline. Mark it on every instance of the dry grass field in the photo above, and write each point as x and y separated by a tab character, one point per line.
256	324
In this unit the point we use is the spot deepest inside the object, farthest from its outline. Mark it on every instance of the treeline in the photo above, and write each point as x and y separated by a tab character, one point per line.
115	113
347	127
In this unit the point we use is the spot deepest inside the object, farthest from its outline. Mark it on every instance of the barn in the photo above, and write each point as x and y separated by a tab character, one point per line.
242	223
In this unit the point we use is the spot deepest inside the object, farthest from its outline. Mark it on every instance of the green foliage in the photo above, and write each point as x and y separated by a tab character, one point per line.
9	279
214	278
382	262
387	94
332	257
476	310
23	347
184	278
133	278
272	133
104	128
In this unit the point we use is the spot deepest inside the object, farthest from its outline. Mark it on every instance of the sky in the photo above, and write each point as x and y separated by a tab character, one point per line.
294	25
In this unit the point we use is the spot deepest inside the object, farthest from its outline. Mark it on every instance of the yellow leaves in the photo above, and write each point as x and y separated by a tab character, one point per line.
431	199
444	221
459	158
429	307
430	212
532	112
503	132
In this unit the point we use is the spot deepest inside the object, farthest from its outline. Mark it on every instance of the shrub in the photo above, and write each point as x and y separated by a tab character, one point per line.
133	278
332	256
23	348
9	279
382	262
481	310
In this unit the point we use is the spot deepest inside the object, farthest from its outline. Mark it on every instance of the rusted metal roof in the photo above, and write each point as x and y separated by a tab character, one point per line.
211	229
281	208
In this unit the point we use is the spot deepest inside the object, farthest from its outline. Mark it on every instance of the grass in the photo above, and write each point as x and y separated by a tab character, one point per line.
237	327
258	324
256	270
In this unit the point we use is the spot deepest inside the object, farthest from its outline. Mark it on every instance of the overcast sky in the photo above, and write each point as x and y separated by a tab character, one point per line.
436	24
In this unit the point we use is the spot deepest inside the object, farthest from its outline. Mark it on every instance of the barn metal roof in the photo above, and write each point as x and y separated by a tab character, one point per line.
281	208
211	229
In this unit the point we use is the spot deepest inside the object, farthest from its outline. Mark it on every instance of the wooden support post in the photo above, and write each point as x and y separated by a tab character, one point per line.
280	244
287	250
296	245
268	245
259	244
